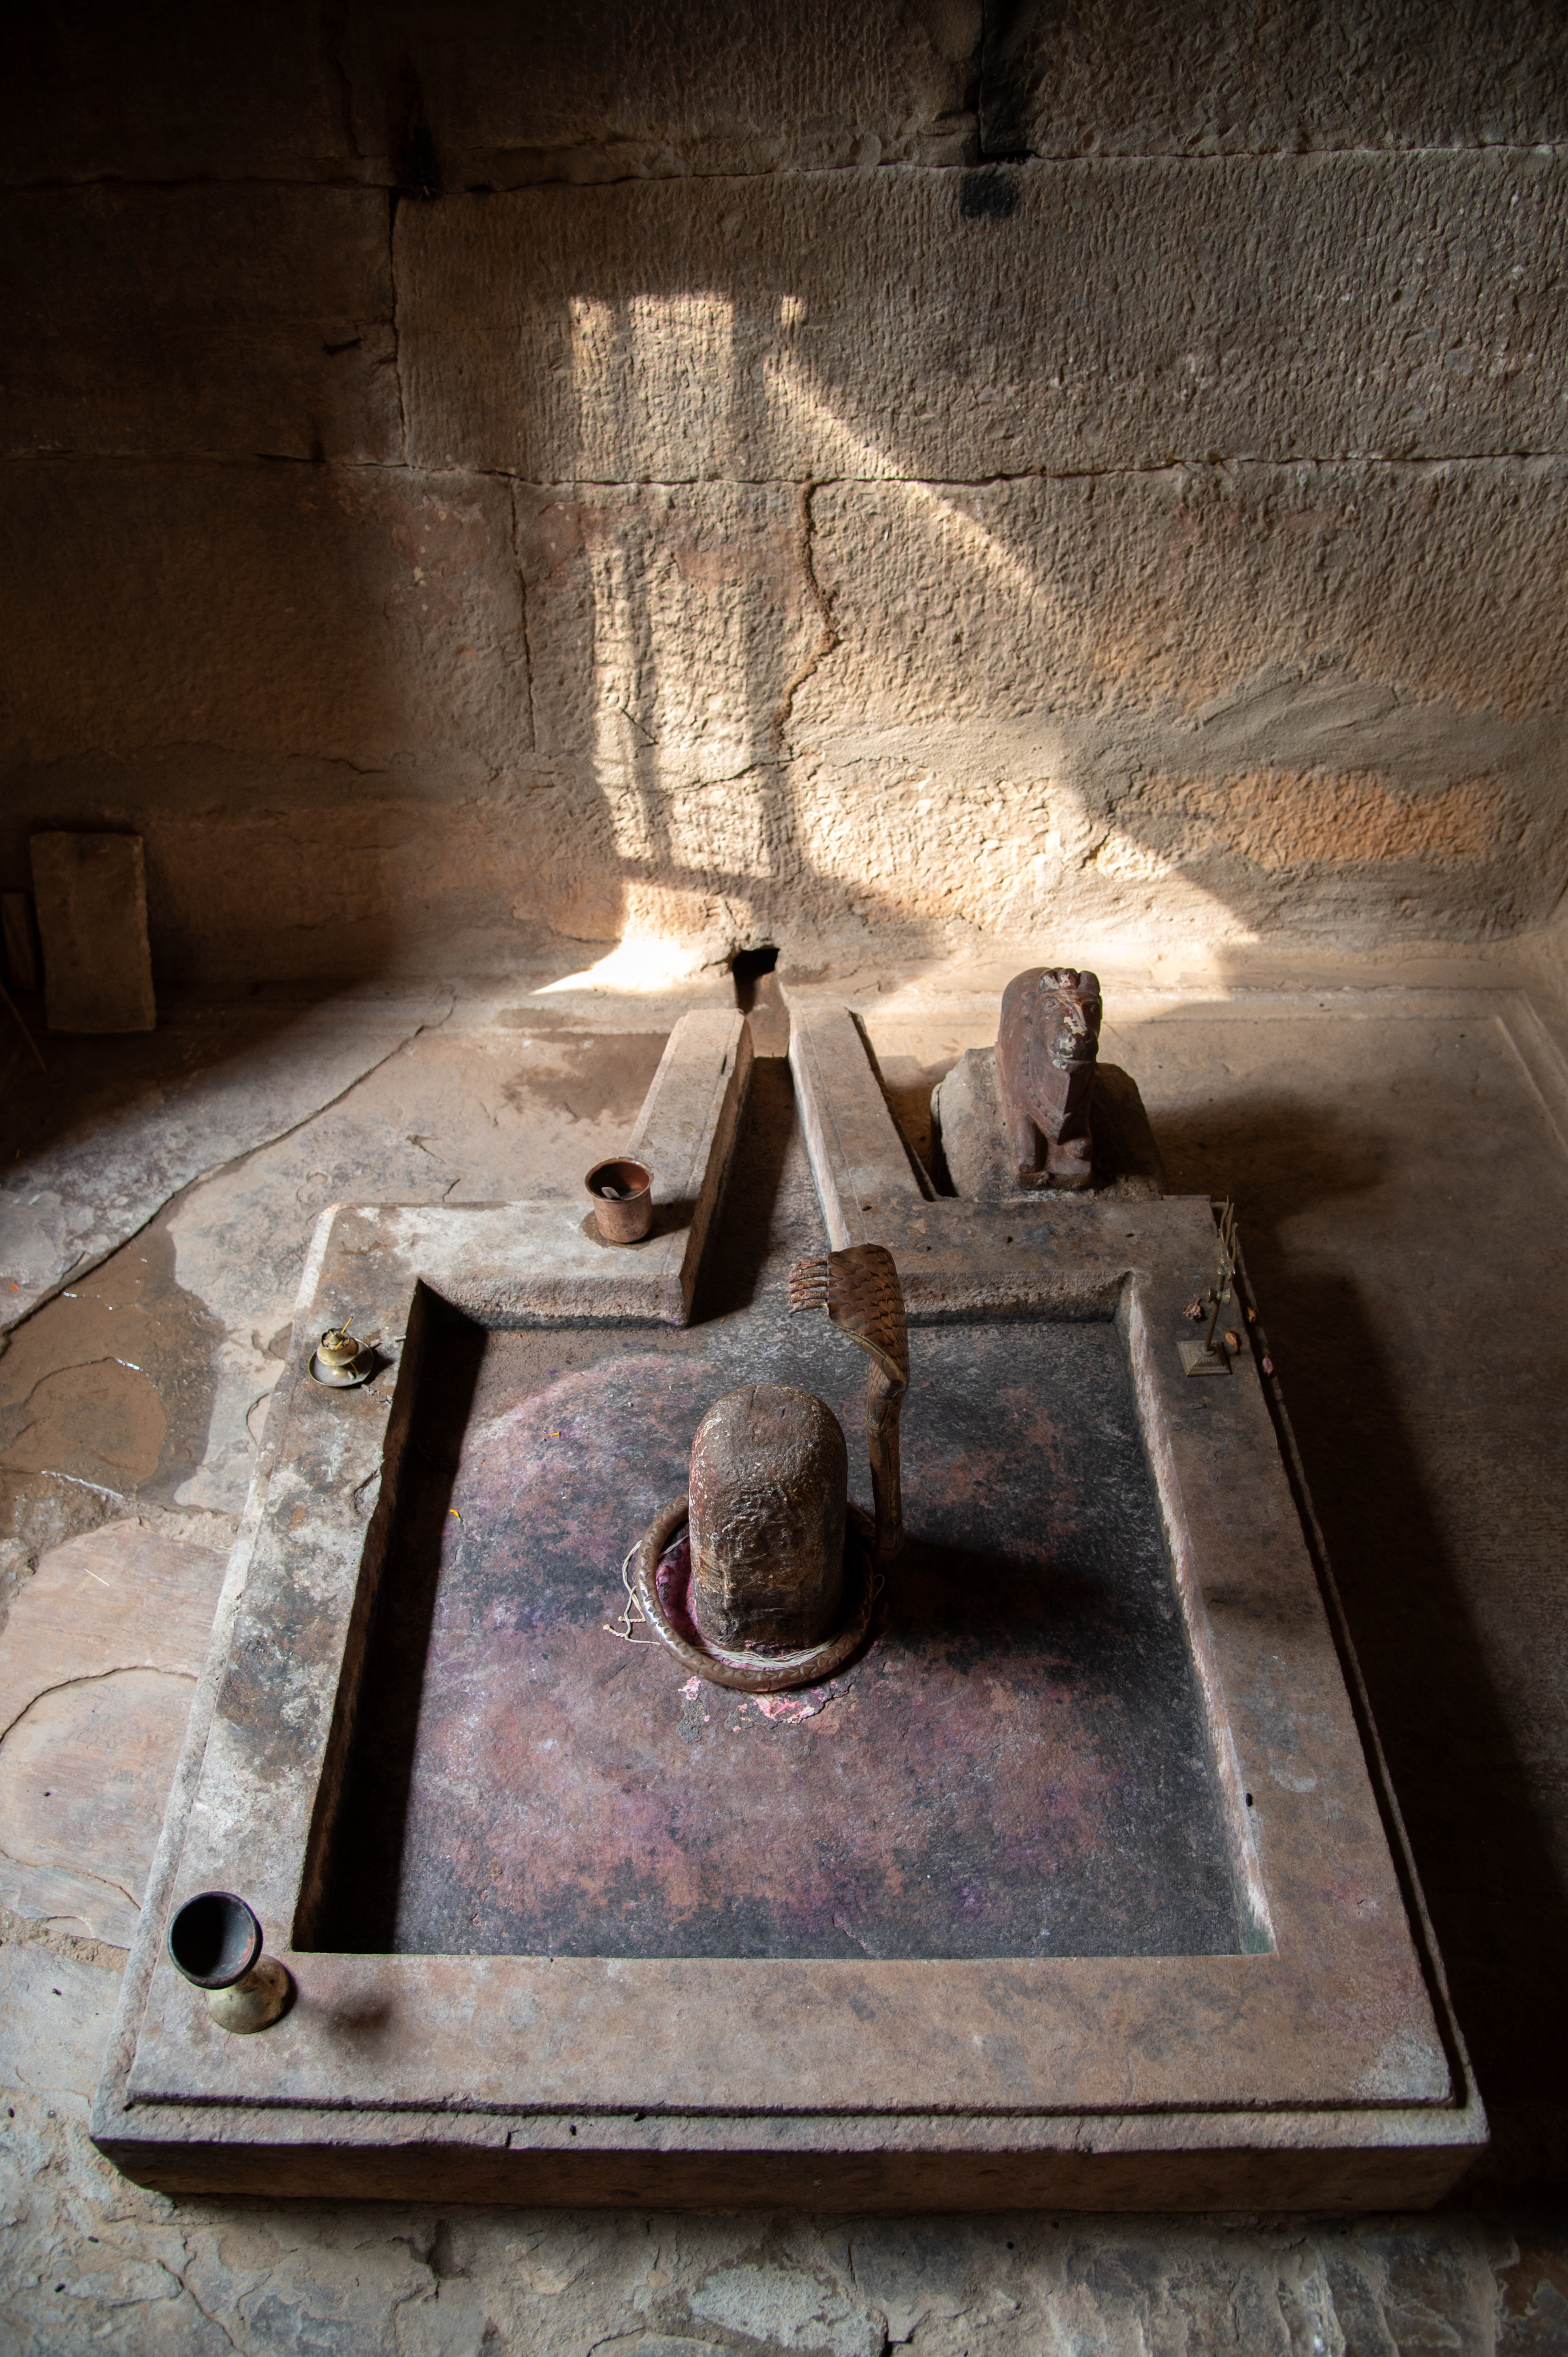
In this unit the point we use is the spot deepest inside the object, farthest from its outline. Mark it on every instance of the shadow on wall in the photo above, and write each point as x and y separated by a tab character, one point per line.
865	706
1371	1437
954	690
842	559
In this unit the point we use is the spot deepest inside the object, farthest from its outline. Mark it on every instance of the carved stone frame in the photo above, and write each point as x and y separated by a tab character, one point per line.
1322	2067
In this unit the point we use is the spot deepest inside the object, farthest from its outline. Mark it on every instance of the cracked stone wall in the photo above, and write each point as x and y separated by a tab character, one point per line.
812	473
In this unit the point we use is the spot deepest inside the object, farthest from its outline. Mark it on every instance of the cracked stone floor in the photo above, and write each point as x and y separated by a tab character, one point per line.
1398	1162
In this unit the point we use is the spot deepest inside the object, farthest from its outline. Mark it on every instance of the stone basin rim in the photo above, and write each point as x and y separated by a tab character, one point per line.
756	1673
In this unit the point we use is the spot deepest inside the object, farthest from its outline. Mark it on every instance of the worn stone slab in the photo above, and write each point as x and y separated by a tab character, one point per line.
91	894
423	99
1129	79
119	1598
514	1263
360	619
166	1111
935	2162
1088	316
241	323
103	1648
85	1773
55	2010
685	1132
185	96
569	2034
863	1174
608	93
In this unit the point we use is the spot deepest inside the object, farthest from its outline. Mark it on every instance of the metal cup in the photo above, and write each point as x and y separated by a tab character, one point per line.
622	1195
215	1942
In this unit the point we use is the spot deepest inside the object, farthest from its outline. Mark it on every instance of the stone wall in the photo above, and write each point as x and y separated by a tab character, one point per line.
842	474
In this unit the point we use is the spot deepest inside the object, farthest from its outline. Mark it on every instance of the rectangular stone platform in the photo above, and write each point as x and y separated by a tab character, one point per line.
1076	1890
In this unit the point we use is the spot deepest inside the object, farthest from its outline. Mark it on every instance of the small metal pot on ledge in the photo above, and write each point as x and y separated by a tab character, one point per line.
215	1942
622	1193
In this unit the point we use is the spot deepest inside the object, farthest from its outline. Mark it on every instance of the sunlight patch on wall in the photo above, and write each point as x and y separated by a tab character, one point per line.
649	356
1291	818
639	966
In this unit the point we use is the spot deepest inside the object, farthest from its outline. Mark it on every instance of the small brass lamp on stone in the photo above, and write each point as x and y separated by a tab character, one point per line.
762	1576
340	1360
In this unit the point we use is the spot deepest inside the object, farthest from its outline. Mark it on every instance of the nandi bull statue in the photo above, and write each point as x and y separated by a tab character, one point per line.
1046	1052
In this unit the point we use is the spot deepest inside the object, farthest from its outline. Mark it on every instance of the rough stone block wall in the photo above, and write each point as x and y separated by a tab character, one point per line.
893	471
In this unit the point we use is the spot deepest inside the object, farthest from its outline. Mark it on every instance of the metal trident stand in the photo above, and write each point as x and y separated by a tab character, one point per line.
1212	1356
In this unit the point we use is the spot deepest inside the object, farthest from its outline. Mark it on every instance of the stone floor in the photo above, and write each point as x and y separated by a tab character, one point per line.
1400	1163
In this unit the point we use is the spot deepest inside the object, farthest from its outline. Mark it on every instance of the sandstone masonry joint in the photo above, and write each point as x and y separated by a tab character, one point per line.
526	646
1553	150
421	470
823	601
396	342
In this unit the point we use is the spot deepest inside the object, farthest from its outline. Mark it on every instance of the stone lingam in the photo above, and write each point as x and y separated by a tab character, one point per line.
761	1575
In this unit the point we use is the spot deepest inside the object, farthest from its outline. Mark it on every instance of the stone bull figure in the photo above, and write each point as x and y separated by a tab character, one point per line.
1045	1051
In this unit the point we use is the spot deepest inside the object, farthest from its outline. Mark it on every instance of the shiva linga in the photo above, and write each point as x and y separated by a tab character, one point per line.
764	1574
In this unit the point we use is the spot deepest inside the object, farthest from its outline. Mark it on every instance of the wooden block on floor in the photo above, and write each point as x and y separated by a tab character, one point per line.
91	896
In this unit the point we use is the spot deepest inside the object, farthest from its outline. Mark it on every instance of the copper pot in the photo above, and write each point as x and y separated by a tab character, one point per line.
622	1194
